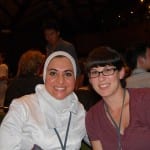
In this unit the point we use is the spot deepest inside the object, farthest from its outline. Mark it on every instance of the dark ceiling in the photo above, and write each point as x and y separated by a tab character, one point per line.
74	15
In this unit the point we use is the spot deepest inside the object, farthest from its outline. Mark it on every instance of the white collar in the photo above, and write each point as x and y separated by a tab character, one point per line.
70	103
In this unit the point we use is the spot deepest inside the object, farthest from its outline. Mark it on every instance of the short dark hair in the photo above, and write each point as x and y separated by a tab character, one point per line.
51	24
133	52
102	56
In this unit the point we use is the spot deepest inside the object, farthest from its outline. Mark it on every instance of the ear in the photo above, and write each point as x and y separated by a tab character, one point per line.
141	60
122	73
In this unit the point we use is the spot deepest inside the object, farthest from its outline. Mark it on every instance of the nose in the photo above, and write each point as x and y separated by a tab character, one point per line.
101	76
60	78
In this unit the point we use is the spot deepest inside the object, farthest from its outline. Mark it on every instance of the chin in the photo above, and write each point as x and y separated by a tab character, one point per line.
60	97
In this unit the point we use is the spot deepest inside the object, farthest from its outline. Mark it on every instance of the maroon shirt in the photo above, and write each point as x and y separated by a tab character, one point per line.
136	135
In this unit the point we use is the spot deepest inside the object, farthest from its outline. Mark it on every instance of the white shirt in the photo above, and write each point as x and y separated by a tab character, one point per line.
32	118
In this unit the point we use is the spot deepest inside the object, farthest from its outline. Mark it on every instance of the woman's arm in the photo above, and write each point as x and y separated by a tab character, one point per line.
96	145
11	128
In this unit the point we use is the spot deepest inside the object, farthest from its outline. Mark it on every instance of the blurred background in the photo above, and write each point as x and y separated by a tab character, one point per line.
85	23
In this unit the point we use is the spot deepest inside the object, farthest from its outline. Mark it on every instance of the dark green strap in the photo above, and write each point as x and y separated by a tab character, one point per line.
66	137
115	124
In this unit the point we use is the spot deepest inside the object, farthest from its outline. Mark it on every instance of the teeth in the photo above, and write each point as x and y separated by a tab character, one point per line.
59	88
103	85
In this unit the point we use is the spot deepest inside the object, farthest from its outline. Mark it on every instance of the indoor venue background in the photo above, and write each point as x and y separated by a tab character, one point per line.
86	23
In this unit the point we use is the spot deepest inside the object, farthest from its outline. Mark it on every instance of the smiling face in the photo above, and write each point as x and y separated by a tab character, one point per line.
60	79
106	85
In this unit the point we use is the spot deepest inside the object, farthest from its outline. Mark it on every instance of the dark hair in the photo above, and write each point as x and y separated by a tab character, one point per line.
102	56
134	52
51	24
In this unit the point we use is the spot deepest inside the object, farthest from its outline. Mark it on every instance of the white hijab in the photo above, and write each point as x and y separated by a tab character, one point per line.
59	53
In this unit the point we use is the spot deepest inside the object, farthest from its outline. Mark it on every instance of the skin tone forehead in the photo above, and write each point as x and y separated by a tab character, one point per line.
56	63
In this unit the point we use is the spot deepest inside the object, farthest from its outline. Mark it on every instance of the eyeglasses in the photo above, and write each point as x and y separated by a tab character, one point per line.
106	72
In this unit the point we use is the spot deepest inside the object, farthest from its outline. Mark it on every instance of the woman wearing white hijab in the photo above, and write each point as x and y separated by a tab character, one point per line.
52	117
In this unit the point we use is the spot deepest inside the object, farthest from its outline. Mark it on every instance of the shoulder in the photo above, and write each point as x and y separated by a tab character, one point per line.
21	109
140	95
141	81
66	42
66	45
94	117
96	106
95	109
140	102
24	102
139	91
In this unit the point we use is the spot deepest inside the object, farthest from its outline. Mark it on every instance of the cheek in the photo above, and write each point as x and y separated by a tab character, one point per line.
48	83
71	83
48	79
93	82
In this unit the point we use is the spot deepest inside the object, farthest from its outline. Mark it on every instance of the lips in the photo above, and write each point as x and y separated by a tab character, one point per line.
59	88
105	85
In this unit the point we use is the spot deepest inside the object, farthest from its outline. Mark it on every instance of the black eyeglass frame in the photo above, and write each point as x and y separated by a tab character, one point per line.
102	72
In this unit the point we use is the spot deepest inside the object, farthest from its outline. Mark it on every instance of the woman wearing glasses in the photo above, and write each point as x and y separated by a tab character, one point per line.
121	120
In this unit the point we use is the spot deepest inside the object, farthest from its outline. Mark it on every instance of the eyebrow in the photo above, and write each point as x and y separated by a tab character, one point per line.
52	69
49	69
106	66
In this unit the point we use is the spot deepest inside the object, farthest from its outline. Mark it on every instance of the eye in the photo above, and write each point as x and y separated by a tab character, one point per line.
93	72
68	73
53	73
108	71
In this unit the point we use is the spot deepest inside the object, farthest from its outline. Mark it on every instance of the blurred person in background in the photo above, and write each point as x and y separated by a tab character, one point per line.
138	60
27	75
55	42
3	79
50	118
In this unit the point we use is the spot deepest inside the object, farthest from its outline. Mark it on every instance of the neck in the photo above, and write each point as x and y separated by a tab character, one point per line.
115	102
